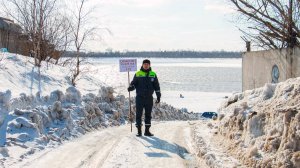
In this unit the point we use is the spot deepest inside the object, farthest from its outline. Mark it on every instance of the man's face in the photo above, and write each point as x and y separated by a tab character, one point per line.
146	66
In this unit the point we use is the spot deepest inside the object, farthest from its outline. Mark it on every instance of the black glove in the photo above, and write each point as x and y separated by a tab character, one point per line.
157	100
158	95
130	88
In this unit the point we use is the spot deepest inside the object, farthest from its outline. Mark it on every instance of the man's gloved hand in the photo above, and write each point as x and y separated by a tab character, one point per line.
130	88
157	100
158	95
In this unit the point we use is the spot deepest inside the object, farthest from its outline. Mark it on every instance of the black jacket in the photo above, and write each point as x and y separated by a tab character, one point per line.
145	83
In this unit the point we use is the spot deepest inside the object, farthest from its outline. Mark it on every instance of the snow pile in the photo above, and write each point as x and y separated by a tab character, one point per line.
166	112
209	146
263	125
34	122
4	104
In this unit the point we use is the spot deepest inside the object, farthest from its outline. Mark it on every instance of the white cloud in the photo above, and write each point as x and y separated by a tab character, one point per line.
137	3
167	24
218	6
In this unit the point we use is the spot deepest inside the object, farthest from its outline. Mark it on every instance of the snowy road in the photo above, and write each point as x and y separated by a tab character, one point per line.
117	147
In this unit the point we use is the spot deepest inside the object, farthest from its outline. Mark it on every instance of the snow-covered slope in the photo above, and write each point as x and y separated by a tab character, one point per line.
37	114
18	74
262	126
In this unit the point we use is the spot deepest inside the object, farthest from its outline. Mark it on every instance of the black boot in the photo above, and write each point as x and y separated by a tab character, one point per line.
147	131
139	128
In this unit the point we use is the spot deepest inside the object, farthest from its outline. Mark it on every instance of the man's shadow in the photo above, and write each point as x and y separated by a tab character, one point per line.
166	146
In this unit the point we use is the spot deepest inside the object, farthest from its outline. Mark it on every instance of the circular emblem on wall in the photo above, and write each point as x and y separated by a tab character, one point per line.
275	74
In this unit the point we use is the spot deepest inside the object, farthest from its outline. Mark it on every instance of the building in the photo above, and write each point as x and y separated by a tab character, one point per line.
10	33
270	66
15	41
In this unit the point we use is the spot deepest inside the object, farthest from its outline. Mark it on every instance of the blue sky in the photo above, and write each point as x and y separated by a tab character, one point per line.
205	25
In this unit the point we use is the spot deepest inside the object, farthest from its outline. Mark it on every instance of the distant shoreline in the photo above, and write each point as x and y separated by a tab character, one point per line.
158	54
150	57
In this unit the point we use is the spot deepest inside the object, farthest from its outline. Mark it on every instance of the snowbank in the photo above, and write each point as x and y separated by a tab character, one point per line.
34	122
208	147
263	125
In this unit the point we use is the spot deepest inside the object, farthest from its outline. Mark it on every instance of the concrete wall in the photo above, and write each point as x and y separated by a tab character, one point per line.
257	66
296	63
9	40
15	42
3	38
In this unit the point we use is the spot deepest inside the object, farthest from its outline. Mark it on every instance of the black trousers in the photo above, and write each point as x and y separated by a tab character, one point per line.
143	103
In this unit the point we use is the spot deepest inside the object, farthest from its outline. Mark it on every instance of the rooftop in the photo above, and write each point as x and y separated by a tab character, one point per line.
8	24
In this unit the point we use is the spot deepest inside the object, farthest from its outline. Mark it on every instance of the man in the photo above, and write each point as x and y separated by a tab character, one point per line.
145	82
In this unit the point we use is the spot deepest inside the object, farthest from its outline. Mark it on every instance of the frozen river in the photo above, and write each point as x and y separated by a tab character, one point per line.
204	82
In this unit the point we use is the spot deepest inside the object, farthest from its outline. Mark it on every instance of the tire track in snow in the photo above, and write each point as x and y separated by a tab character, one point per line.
117	148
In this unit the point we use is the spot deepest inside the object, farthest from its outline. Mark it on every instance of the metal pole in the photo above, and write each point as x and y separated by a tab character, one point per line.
130	114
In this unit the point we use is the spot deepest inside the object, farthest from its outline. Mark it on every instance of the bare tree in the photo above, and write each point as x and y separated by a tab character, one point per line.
272	24
82	32
42	23
58	36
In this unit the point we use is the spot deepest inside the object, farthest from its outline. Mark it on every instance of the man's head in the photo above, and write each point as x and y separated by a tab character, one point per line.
146	64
